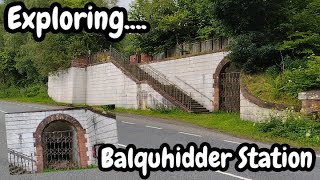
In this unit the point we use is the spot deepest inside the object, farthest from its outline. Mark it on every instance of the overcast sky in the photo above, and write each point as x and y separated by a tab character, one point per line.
124	3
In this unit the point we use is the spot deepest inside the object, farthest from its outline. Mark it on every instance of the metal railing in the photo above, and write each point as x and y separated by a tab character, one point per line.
22	161
201	94
201	46
155	78
100	57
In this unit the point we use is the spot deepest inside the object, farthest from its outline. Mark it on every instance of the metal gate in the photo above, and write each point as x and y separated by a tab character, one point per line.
58	149
229	92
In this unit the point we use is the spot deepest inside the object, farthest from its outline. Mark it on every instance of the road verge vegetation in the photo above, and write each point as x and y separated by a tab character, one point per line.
294	129
34	93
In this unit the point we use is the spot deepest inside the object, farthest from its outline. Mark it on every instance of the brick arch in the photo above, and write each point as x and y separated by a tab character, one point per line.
216	76
82	149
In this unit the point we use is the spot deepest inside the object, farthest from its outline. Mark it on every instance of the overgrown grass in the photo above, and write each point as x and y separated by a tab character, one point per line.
229	123
35	93
293	126
266	88
69	169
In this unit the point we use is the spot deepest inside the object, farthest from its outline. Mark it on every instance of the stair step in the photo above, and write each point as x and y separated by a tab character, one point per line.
16	170
169	89
199	107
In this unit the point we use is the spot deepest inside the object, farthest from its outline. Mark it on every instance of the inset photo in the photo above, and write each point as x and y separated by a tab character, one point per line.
59	139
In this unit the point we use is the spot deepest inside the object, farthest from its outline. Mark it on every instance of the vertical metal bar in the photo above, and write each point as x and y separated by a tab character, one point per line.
32	162
190	101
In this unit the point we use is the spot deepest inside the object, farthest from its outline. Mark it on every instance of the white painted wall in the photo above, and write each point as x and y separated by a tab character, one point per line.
21	126
253	112
196	71
149	98
68	86
106	84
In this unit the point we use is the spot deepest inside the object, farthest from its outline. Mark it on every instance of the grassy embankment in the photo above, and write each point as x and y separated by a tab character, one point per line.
32	94
266	88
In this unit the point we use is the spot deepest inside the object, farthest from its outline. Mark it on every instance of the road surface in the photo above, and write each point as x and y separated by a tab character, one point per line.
149	132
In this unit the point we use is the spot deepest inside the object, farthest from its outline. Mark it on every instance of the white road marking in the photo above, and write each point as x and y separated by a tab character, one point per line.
232	175
153	127
318	156
121	145
125	122
3	111
232	142
190	134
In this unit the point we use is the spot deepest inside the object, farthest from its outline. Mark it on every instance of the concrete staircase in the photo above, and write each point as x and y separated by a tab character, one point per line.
16	170
158	82
20	163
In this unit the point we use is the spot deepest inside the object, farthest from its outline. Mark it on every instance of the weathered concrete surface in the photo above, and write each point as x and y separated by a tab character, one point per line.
310	101
104	84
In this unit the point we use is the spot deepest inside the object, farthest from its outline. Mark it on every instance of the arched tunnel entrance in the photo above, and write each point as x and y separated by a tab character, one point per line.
227	87
60	143
60	146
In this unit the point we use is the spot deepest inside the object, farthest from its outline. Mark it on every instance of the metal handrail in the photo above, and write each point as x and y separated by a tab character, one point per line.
153	77
21	160
150	70
193	88
163	77
154	70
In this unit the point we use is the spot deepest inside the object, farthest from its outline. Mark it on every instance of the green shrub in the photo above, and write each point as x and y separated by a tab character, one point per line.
109	107
301	79
290	63
163	109
293	126
272	71
33	90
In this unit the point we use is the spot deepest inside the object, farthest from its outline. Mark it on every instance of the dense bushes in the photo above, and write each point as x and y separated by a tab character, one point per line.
303	78
283	87
293	126
35	90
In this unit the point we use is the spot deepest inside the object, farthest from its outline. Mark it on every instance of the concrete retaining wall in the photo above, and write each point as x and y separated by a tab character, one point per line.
68	86
193	74
149	98
105	84
253	112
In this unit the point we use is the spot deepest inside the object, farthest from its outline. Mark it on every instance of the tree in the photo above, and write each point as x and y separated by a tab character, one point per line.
32	61
172	22
255	27
264	32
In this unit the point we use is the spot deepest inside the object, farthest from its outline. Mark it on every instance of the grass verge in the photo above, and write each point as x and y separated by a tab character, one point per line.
229	123
35	100
33	93
69	169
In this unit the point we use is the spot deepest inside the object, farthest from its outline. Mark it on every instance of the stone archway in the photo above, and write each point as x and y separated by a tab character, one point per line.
226	87
216	76
80	136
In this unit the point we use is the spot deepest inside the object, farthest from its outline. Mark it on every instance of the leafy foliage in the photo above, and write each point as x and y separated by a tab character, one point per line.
173	22
293	126
24	61
301	79
267	31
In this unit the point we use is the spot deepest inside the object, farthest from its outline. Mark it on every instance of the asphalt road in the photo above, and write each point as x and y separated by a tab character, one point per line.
150	132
